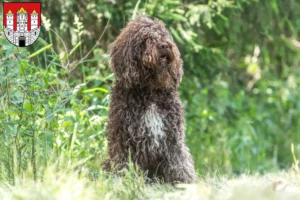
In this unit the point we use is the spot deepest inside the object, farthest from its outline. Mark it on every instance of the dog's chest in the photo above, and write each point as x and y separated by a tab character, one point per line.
153	121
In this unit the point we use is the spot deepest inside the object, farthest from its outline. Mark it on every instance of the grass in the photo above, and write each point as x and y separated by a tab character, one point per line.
63	183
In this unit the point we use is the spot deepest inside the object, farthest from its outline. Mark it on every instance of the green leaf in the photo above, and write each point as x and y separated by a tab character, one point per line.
11	129
27	105
95	89
274	6
176	35
23	67
40	51
48	114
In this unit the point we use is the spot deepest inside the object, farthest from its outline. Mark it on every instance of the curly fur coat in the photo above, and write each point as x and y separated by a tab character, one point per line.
146	120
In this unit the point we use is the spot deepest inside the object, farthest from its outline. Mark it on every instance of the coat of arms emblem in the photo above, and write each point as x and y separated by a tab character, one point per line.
22	22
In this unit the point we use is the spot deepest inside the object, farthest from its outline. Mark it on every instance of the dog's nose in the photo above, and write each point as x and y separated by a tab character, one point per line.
162	45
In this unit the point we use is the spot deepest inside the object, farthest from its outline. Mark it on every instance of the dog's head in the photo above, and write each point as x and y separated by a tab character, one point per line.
144	54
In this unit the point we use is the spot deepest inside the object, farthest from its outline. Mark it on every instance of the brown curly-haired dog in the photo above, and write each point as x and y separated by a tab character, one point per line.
146	119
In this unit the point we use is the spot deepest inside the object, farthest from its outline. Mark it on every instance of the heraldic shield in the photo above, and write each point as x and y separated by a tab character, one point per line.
22	22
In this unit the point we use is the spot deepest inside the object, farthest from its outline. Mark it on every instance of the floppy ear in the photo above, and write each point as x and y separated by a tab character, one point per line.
125	56
177	70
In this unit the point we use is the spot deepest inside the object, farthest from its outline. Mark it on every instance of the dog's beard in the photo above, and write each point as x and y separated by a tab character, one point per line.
164	79
165	57
163	70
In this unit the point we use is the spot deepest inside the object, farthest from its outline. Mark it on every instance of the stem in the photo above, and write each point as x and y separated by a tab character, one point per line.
33	161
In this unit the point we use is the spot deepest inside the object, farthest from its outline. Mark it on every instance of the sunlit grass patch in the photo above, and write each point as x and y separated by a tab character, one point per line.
67	184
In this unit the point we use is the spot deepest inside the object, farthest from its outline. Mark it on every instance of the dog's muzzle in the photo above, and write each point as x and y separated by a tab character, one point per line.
165	53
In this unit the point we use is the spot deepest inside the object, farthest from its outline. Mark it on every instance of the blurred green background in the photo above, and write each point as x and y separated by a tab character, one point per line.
240	88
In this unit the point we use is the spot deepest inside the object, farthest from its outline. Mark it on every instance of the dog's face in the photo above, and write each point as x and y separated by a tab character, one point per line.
144	54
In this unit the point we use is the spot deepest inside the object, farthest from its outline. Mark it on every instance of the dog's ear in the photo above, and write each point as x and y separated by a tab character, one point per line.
177	70
125	56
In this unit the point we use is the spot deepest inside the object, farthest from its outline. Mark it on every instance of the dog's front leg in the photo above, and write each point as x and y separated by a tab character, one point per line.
179	166
118	159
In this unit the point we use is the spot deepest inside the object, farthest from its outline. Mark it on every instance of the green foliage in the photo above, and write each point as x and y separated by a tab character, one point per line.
240	88
42	116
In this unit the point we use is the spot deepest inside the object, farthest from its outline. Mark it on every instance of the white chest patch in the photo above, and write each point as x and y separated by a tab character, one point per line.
154	123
